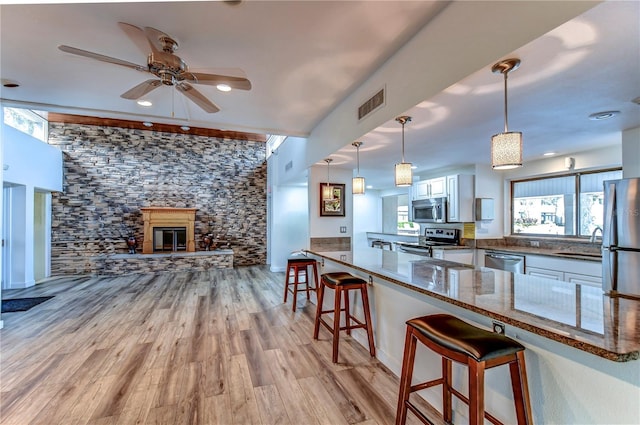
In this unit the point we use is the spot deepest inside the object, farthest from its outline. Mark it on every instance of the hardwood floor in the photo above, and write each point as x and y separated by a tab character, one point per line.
216	347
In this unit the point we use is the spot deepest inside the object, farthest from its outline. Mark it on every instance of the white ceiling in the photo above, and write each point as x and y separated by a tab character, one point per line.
304	57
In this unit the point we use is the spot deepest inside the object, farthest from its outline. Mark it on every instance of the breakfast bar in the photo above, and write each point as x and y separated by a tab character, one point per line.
582	346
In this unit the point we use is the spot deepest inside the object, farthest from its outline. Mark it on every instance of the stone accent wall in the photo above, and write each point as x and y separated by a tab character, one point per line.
110	173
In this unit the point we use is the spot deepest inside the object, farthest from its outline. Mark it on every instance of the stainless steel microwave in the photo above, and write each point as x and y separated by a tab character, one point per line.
432	210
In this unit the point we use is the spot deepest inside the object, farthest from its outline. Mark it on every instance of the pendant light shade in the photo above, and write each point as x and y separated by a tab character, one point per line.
506	147
357	183
327	190
403	172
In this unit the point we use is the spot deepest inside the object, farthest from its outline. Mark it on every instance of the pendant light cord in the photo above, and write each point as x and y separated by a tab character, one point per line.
403	141
506	119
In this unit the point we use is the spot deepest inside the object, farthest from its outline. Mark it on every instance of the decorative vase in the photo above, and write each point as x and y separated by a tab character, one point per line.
132	243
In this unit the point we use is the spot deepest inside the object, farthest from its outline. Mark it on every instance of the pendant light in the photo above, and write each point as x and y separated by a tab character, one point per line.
357	182
327	190
404	174
506	147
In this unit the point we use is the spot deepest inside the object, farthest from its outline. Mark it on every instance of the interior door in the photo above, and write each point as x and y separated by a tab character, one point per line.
6	237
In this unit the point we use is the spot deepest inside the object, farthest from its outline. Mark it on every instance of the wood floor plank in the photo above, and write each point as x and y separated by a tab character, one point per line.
216	347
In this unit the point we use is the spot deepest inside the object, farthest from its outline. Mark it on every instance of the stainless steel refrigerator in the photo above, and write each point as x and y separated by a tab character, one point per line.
621	237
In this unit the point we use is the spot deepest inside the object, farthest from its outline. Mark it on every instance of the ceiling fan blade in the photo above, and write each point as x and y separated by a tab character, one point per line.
138	36
196	97
103	58
214	79
141	89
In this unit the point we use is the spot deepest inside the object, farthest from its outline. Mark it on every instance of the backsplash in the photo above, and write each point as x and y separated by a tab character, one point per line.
110	173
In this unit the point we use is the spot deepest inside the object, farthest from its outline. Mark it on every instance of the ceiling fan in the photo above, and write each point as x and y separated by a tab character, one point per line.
168	67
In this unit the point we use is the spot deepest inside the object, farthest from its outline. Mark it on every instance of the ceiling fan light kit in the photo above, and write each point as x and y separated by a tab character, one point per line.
506	147
169	68
403	170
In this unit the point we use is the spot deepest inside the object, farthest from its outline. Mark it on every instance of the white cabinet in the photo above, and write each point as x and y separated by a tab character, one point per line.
568	270
432	188
463	256
460	198
583	279
545	273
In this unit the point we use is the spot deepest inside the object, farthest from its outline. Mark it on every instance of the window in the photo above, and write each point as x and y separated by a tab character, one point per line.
405	227
27	121
550	206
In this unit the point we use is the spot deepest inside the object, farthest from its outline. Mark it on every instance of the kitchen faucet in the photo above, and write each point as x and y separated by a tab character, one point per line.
593	234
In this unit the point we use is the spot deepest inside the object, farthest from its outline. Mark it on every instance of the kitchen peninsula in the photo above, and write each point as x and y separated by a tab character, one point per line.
577	339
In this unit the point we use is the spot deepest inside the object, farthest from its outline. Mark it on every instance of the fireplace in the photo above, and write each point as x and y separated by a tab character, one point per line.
168	230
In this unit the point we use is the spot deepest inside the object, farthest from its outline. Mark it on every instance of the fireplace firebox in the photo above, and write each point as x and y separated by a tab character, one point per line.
169	239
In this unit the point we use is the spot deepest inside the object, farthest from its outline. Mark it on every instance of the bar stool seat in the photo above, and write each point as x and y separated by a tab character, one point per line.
456	340
342	283
298	265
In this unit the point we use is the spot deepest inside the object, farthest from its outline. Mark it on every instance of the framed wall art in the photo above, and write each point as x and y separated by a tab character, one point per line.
335	206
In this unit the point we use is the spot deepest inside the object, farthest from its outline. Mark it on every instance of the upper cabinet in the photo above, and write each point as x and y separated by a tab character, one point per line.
432	188
460	198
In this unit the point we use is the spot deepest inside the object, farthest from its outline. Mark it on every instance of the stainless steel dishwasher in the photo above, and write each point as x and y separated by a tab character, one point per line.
507	262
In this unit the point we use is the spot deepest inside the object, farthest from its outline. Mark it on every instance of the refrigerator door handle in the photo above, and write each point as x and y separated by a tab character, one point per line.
609	238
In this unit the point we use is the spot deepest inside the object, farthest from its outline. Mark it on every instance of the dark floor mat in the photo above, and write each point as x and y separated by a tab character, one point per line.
22	304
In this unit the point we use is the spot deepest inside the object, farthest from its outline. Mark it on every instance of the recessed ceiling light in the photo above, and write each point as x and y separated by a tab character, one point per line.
223	87
185	128
147	124
10	84
414	167
605	115
369	186
549	153
144	102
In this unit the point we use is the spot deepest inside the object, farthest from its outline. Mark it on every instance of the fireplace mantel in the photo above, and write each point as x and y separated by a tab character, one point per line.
168	217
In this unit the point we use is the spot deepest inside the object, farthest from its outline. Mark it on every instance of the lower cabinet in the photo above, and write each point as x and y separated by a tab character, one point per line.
568	270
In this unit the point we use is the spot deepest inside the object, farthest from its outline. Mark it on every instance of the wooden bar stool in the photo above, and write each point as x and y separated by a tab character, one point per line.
456	340
342	283
298	265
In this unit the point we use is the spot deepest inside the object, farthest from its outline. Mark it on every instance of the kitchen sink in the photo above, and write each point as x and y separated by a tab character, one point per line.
579	254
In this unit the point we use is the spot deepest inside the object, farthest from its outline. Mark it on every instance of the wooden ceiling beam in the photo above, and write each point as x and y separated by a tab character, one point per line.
166	128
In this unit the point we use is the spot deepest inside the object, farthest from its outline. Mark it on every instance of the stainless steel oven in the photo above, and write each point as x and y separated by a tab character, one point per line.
432	210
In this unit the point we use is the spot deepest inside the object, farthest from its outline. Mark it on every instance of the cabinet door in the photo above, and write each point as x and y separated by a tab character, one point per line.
453	205
421	190
583	279
545	273
459	256
438	187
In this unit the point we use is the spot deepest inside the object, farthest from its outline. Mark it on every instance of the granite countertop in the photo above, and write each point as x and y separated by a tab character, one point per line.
586	255
580	316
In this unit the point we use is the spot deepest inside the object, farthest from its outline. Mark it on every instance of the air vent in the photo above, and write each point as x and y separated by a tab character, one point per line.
288	166
376	101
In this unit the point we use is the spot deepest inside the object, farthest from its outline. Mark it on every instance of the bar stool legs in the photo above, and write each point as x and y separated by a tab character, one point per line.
342	283
456	340
300	265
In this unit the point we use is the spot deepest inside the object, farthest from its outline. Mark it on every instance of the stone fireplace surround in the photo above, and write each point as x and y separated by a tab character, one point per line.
168	217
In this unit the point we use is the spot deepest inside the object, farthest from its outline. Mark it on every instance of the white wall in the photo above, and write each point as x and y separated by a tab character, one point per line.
31	165
367	217
323	227
290	224
631	153
287	203
490	184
